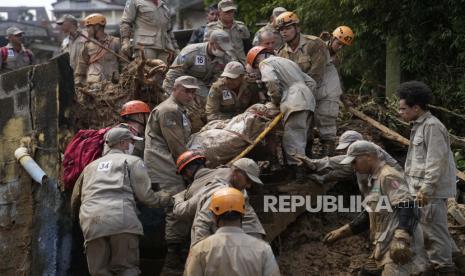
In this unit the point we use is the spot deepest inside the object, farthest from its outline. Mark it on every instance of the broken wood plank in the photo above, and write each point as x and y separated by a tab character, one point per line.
389	133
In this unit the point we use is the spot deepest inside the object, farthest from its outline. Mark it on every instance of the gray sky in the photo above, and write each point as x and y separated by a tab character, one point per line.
29	3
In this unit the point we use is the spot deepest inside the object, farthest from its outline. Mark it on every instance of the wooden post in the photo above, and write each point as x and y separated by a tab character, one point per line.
392	65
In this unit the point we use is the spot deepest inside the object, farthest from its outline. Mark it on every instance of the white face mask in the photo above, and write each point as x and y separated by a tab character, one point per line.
218	53
130	150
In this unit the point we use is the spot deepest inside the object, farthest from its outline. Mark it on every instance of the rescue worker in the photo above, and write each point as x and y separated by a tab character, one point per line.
312	56
230	251
392	217
166	136
243	174
148	22
291	90
430	172
107	214
330	171
73	42
95	63
198	34
206	62
342	36
270	28
229	95
267	40
134	115
14	54
237	30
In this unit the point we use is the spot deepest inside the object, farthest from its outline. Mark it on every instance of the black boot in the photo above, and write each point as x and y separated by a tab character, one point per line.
174	263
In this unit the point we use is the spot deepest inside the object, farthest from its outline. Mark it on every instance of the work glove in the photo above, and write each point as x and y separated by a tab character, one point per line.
126	48
166	199
422	199
338	234
400	247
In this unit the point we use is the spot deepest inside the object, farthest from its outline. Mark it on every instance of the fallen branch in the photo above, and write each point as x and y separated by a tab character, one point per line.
443	109
389	133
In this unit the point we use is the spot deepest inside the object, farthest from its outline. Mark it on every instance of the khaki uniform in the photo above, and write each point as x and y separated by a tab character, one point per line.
294	90
231	252
108	209
310	55
194	61
73	46
150	25
166	136
430	168
223	103
238	33
15	60
387	181
334	172
204	223
96	64
278	39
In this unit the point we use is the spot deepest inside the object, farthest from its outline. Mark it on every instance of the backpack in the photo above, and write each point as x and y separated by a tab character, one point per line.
85	147
4	53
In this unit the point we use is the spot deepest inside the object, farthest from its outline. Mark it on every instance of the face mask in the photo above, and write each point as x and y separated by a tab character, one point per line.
218	53
130	150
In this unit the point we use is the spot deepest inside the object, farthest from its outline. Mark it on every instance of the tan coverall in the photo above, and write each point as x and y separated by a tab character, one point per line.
334	172
97	64
73	46
108	212
204	223
388	182
150	25
166	136
15	60
238	33
194	61
231	252
430	168
278	39
224	103
293	90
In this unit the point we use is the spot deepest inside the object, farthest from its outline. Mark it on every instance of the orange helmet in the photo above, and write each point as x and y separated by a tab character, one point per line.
344	34
134	107
227	200
286	19
188	156
254	52
95	19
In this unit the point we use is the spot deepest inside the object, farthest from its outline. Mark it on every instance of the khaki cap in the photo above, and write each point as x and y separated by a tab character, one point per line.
251	168
359	148
223	39
13	31
233	70
348	138
277	11
226	5
187	82
117	134
66	17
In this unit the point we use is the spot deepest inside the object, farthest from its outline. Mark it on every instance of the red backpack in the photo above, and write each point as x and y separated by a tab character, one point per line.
85	147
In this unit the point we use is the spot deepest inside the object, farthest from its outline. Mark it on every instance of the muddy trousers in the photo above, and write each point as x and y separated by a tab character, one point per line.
296	129
392	269
154	54
438	242
326	114
114	255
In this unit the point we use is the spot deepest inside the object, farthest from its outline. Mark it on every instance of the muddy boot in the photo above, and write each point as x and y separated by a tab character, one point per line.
174	265
370	269
328	148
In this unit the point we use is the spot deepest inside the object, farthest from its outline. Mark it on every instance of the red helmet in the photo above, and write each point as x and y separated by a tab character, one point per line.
254	52
134	107
187	157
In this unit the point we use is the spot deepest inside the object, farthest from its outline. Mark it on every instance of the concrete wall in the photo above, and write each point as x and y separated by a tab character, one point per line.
34	226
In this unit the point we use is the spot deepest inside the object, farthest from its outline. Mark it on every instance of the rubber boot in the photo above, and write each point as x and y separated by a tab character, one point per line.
174	264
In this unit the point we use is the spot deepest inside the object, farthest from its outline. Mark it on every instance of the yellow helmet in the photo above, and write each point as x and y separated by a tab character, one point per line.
95	19
286	19
227	200
344	34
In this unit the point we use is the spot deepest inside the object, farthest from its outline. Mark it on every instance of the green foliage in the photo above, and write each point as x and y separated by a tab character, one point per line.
432	35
